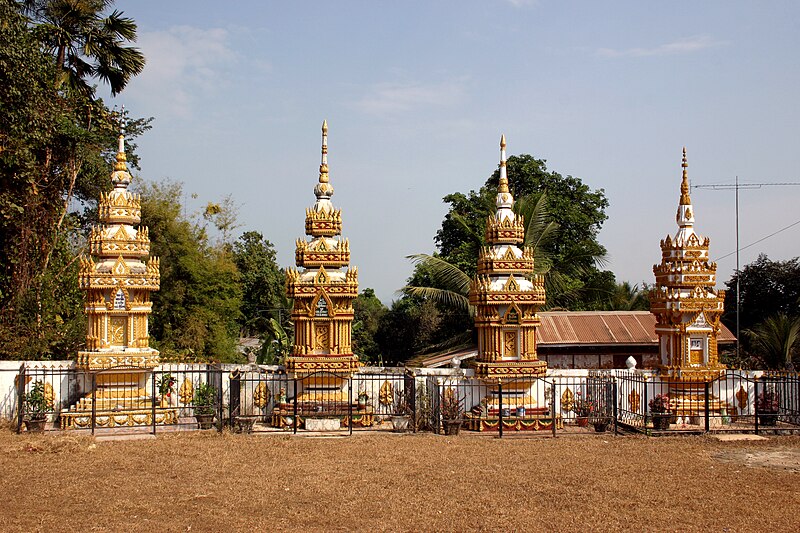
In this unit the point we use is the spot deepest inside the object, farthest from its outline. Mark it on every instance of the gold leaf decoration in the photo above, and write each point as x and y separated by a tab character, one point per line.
186	392
567	400
633	399
386	394
742	397
261	395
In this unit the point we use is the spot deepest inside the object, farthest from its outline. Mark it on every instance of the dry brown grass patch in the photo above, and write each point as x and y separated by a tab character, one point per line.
210	482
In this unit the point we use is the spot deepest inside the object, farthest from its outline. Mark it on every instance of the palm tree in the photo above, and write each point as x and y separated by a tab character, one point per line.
777	339
629	297
450	285
85	43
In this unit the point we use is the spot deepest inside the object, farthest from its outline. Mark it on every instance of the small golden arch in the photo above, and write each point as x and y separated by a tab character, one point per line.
633	400
186	392
386	394
261	395
742	397
567	400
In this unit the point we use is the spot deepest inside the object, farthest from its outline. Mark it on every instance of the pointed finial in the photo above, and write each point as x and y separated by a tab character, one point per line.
323	166
121	165
502	185
685	199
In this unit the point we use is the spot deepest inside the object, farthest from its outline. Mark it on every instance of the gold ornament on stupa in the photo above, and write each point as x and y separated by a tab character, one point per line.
506	293
323	287
686	305
117	278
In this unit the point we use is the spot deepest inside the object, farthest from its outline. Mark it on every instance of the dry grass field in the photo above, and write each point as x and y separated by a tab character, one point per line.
379	482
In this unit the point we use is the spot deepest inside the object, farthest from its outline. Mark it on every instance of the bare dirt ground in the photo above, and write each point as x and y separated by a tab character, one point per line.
388	482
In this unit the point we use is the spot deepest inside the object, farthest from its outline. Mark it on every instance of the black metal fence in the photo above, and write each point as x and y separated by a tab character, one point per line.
189	397
733	402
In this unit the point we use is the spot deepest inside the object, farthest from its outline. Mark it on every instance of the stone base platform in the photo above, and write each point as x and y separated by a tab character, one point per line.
118	418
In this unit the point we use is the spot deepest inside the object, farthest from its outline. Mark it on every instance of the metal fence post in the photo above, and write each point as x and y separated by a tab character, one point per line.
294	408
500	404
615	404
645	402
706	403
94	401
413	402
153	414
553	405
755	404
220	406
20	396
350	404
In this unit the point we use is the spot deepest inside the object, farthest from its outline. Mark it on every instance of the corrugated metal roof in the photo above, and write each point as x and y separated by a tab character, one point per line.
603	328
575	328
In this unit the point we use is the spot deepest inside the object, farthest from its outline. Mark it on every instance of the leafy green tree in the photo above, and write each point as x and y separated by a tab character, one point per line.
198	308
263	293
86	43
368	311
564	217
766	288
627	297
56	148
408	327
571	275
277	344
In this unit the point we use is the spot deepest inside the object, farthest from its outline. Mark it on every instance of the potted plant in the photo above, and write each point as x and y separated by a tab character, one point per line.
36	404
582	409
452	409
660	411
767	406
363	398
205	395
402	410
165	386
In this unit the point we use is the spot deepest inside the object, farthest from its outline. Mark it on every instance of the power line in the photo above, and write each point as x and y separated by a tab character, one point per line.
759	240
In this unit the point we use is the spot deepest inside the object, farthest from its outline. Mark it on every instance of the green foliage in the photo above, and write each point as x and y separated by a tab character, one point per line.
55	152
775	342
198	308
36	404
627	297
769	290
262	281
368	311
563	217
410	326
277	345
766	287
86	43
205	396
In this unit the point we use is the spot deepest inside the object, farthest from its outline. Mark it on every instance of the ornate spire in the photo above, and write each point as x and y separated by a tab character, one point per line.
120	177
323	166
685	215
505	200
685	199
323	191
502	186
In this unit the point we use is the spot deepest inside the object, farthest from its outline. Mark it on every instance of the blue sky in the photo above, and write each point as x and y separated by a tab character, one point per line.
416	95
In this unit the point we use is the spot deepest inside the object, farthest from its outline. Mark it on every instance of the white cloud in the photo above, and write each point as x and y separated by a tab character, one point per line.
182	64
522	3
686	45
392	98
